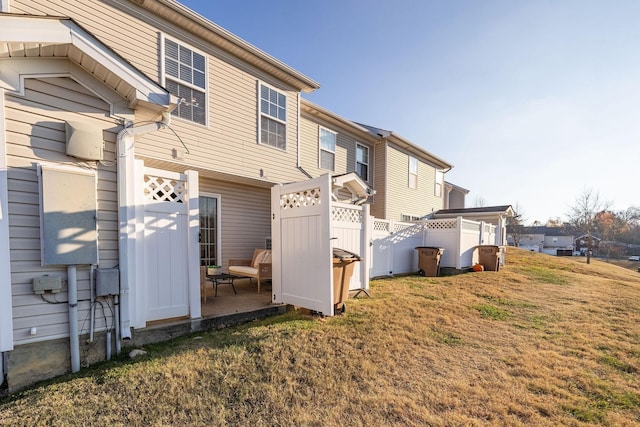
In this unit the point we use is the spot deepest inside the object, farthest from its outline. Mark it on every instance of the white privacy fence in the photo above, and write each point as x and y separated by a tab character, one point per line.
350	228
394	243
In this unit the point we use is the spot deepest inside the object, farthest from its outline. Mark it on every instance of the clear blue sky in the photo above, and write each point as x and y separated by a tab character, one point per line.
532	101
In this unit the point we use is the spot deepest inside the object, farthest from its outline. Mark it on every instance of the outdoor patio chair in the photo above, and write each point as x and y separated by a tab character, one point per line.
258	267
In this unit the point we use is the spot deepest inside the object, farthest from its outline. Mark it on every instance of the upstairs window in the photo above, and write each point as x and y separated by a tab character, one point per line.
185	77
413	172
273	118
362	161
439	183
327	149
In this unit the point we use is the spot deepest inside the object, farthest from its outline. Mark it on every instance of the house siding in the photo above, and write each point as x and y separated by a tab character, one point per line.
229	143
404	200
345	155
35	132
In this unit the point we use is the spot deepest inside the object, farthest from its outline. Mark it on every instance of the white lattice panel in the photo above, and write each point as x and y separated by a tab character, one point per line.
442	224
164	189
300	199
399	226
380	225
346	215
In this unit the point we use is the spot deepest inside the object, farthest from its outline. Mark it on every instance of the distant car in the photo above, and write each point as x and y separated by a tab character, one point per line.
634	258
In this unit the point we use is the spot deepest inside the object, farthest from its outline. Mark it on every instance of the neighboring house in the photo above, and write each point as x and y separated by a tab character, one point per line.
548	240
581	244
139	135
408	180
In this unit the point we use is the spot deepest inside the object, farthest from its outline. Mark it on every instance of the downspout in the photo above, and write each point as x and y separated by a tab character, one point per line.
298	157
128	228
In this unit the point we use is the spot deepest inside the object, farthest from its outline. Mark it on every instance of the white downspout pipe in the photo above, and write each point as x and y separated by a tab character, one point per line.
128	228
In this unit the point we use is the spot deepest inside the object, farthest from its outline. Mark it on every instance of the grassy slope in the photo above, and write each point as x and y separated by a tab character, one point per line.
545	341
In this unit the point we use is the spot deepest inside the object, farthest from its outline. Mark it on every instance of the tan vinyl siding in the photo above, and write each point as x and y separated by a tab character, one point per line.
401	199
36	133
345	156
245	217
229	143
378	207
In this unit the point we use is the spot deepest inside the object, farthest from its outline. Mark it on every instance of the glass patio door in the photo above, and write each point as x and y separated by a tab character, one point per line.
210	250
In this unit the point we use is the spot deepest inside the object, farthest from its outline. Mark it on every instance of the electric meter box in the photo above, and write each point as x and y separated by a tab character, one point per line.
107	281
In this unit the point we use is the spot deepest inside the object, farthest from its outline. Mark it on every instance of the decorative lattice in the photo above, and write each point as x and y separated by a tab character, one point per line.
301	199
164	189
381	225
401	226
442	224
346	215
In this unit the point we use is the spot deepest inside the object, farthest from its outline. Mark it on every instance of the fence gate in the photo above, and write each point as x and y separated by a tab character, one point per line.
165	244
301	242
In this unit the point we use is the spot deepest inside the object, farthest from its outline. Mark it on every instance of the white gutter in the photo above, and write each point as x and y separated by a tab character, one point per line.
129	230
6	310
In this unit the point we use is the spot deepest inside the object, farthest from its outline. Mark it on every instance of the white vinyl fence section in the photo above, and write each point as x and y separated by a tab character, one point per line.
350	227
394	243
393	247
306	226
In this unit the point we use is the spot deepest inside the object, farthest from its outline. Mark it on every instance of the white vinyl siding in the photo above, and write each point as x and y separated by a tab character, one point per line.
327	146
400	199
273	117
185	75
362	161
36	133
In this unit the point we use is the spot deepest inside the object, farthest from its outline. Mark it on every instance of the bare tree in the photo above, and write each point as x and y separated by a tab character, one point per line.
582	215
479	202
515	224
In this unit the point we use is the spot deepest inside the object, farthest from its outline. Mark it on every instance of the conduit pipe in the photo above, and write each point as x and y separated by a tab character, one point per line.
128	228
92	305
74	338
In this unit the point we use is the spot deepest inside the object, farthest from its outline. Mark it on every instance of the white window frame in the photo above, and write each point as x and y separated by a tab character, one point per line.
368	162
439	183
413	174
195	87
268	116
409	217
218	197
321	149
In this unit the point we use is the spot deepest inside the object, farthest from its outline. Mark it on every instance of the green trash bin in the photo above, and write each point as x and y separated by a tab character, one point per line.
429	260
489	256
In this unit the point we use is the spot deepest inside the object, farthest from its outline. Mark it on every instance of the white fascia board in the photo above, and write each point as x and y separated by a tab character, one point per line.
28	29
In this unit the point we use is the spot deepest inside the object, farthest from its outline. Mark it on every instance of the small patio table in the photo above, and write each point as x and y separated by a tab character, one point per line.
223	279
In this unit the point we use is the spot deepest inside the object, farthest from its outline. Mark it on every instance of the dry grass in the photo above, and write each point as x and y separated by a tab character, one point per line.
545	341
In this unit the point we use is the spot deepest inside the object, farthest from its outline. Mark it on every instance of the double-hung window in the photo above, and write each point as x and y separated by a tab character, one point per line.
185	77
439	183
327	149
413	172
362	161
273	117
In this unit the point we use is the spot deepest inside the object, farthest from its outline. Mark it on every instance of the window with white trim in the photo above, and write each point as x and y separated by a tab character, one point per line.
439	183
413	172
362	161
409	218
327	142
273	117
185	72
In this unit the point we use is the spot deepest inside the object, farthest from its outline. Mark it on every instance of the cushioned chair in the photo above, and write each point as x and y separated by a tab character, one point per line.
258	267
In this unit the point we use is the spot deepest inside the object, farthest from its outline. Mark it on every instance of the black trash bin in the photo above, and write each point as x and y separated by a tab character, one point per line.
429	260
343	264
489	257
